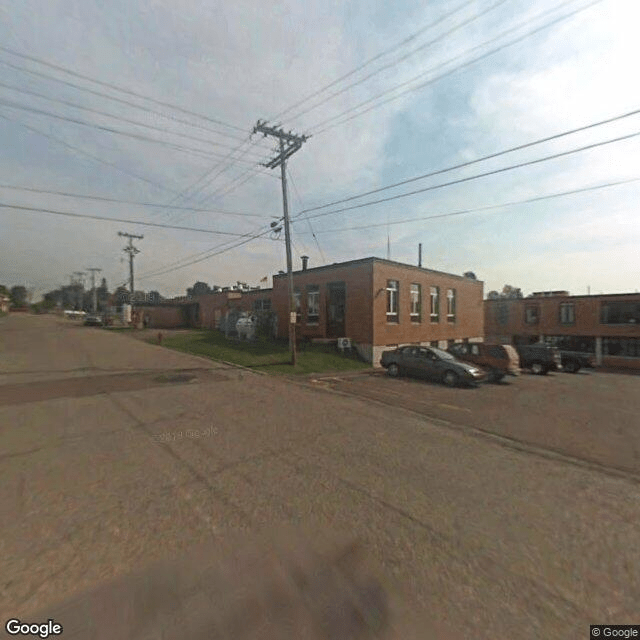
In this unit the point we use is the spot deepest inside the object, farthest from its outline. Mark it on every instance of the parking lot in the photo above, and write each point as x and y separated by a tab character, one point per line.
590	416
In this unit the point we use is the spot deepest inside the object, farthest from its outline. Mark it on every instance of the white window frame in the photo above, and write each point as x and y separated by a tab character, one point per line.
313	306
434	309
393	291
451	305
416	301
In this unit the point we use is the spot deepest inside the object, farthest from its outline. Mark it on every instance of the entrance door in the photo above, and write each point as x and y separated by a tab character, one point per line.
336	304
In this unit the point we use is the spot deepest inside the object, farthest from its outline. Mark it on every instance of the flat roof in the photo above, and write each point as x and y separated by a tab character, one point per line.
371	259
586	295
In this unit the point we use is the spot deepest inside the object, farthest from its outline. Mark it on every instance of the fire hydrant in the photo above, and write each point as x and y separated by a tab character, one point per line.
159	338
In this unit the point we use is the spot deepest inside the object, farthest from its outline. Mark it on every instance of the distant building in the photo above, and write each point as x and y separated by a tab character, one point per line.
607	326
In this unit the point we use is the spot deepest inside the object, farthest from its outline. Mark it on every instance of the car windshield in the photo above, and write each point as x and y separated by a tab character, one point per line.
442	354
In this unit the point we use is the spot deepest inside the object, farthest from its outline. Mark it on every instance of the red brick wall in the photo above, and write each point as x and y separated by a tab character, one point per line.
164	317
357	278
587	312
469	320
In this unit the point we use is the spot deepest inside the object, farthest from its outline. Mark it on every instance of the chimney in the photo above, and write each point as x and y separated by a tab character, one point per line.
305	261
420	254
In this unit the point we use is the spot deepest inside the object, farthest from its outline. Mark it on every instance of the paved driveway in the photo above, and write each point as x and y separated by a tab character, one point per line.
497	542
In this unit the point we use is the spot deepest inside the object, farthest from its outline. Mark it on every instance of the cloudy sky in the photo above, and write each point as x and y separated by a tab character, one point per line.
387	92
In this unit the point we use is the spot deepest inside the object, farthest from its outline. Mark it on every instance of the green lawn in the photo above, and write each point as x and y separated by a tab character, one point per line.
263	355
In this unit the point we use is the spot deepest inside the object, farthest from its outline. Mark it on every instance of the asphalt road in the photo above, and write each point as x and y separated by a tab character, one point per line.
590	417
116	453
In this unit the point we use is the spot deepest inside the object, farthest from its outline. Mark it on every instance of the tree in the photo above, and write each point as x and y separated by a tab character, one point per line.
198	289
508	293
102	295
18	296
3	290
122	296
469	274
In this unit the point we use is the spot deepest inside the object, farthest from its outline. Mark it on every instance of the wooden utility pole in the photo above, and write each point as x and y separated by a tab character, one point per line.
93	288
289	144
132	251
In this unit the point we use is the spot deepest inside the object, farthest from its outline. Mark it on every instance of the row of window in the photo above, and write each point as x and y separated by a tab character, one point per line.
415	300
611	313
313	304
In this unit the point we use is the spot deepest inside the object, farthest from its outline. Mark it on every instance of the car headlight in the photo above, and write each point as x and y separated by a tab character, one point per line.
474	371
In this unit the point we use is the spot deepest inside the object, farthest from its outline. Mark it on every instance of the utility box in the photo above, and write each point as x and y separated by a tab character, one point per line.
126	313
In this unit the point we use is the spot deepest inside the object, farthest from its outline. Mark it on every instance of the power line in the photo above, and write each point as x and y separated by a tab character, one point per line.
67	194
469	163
146	110
117	88
485	208
89	155
118	220
411	37
137	136
75	105
404	57
450	71
295	189
480	175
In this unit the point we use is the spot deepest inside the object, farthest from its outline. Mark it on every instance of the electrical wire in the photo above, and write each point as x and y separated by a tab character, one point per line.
469	163
295	189
334	121
136	136
482	175
75	105
87	216
58	67
485	208
67	194
402	58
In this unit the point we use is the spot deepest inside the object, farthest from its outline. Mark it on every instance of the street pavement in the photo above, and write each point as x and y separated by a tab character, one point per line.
116	453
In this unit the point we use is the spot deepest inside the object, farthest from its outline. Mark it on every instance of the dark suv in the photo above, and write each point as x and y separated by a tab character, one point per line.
499	360
539	358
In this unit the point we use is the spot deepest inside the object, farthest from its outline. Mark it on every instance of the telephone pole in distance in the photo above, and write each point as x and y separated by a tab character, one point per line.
289	144
132	251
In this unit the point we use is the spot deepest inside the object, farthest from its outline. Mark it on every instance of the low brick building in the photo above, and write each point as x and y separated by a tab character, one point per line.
607	326
380	304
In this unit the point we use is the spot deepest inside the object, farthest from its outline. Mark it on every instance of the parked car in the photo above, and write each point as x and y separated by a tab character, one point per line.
93	321
428	362
573	361
539	358
498	360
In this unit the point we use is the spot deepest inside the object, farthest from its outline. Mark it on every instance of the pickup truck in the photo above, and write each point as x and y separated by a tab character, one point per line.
573	361
539	358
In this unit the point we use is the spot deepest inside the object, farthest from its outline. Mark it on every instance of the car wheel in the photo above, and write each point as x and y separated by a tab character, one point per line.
496	376
538	369
571	367
393	370
450	378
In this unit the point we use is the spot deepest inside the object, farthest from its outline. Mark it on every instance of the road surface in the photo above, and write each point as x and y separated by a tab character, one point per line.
116	453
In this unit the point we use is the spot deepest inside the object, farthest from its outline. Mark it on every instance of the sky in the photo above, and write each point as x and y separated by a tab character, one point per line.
449	83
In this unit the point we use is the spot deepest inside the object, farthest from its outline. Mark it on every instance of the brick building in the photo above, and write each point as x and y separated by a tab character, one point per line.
380	304
607	326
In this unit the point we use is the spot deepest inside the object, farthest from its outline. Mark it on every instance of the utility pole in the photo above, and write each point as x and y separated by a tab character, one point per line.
93	288
289	144
131	250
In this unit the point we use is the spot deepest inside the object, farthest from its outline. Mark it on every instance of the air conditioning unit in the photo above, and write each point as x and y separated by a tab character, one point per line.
344	343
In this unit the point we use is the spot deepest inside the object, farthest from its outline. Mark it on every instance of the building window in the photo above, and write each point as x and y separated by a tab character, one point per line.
435	304
297	299
567	313
392	301
451	305
531	314
502	313
313	304
620	313
433	343
416	302
622	347
262	304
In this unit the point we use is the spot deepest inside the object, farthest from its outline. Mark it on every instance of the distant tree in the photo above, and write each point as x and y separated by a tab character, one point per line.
18	296
122	295
508	293
199	289
470	274
3	290
102	294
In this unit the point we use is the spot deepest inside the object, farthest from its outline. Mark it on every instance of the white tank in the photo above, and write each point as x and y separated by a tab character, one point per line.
126	313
